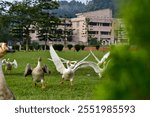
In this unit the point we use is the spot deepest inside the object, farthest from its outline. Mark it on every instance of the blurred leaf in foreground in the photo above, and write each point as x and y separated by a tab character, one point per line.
128	75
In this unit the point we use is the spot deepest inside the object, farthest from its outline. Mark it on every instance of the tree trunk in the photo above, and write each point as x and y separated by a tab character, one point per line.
27	46
45	45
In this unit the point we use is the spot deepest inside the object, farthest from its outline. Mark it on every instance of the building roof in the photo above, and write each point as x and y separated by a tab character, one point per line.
102	13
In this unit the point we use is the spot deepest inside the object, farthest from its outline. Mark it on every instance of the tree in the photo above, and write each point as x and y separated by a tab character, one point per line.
69	9
29	12
4	23
102	4
47	27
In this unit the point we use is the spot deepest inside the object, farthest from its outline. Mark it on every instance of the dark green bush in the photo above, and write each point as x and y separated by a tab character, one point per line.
58	47
69	46
30	47
93	42
82	47
97	47
35	45
42	47
77	47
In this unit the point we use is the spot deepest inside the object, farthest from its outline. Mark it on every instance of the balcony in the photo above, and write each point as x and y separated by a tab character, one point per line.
100	28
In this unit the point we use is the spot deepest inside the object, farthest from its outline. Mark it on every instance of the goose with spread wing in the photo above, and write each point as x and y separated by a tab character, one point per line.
68	71
9	64
37	73
71	63
5	92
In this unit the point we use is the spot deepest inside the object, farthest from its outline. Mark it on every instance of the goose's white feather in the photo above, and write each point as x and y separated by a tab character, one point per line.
8	64
56	60
15	64
102	60
83	64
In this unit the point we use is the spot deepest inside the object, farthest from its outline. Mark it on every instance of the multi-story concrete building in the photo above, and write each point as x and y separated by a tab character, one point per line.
93	25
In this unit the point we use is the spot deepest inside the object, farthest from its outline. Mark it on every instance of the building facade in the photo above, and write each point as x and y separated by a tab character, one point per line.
98	26
95	25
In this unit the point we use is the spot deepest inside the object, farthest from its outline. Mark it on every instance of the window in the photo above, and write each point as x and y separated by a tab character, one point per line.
105	24
105	33
92	32
93	23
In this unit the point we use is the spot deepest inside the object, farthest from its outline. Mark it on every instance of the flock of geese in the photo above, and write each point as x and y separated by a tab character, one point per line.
65	67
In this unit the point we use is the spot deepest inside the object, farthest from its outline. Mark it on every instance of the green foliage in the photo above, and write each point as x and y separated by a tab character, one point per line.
69	9
20	16
35	45
128	76
16	47
82	47
58	47
97	47
102	4
43	47
93	42
69	46
77	47
73	7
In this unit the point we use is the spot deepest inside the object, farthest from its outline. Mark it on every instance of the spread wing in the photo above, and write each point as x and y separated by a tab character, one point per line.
14	63
28	70
104	58
4	62
56	60
73	63
84	64
95	57
46	69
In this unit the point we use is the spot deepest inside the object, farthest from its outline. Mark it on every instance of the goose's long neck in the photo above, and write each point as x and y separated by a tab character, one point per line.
39	63
68	65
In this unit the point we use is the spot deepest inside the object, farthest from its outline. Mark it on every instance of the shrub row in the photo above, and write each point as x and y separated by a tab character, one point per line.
31	47
76	47
59	47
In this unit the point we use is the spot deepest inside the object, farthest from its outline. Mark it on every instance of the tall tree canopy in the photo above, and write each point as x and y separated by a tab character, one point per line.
25	13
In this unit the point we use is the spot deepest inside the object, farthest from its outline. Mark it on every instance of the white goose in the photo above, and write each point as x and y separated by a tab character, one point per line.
5	92
37	73
71	63
68	71
8	64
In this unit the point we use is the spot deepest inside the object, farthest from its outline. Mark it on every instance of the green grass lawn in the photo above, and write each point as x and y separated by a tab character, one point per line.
85	79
